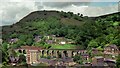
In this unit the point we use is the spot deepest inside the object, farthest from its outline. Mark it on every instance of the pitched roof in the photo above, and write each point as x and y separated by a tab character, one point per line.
113	46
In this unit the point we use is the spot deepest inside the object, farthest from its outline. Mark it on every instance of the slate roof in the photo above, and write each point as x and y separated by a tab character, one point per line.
113	46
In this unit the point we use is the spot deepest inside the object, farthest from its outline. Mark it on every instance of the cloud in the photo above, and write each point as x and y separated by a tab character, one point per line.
86	10
62	4
72	8
77	0
14	10
97	11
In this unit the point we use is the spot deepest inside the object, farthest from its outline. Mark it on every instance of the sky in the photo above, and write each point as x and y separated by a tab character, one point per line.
13	10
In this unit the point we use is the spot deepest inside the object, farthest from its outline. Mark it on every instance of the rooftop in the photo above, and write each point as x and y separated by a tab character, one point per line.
113	46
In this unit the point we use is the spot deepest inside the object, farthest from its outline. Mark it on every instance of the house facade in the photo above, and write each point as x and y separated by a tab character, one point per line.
32	53
111	49
111	52
98	61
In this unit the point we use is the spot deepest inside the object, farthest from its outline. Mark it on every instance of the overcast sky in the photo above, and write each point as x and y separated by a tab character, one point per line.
13	10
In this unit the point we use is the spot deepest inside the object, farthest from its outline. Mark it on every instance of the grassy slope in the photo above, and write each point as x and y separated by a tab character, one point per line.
6	30
37	15
68	21
66	46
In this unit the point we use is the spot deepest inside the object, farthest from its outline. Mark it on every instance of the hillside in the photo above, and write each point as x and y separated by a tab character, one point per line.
85	31
61	17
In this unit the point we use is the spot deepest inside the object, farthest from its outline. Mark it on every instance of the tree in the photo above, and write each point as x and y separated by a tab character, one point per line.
5	46
93	44
14	35
118	61
20	43
12	52
29	41
78	59
78	14
22	58
23	37
4	55
81	15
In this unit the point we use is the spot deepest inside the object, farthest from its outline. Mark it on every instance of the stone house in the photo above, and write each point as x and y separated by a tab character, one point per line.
96	52
13	60
32	53
13	40
111	51
37	38
85	56
62	42
49	41
98	61
50	37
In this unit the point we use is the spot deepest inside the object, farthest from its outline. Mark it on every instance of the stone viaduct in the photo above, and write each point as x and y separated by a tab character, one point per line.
33	54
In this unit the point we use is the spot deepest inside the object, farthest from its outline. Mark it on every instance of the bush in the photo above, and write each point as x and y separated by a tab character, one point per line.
78	59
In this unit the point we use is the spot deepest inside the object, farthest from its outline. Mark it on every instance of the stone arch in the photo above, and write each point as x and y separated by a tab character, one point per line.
77	52
59	54
20	51
43	52
83	52
72	53
65	53
39	54
52	53
47	52
24	51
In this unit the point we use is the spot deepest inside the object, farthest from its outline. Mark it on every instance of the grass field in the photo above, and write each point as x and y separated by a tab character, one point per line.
65	46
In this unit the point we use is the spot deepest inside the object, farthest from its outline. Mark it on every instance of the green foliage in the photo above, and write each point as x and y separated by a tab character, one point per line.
14	35
22	58
48	57
5	46
29	41
100	48
78	59
93	44
12	52
118	62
